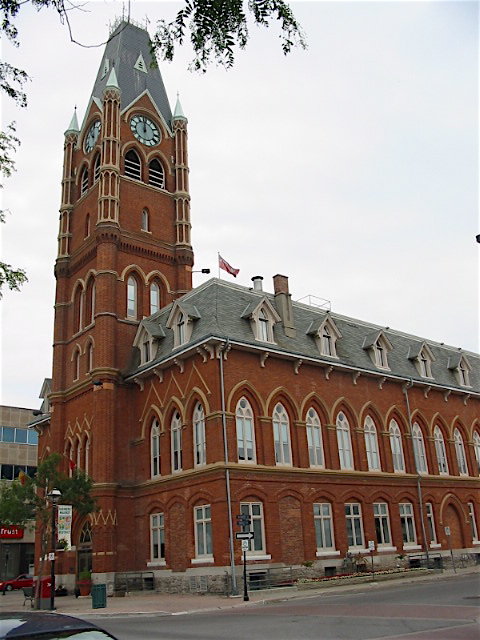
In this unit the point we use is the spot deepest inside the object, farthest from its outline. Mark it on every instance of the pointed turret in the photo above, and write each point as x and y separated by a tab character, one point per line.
73	126
178	112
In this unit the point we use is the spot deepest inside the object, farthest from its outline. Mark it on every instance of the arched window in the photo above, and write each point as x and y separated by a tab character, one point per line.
176	436
84	181
156	174
263	326
154	298
245	431
440	450
476	448
87	453
96	168
281	436
371	444
133	167
90	357
131	297
145	220
90	300
78	310
87	225
344	442
76	365
326	347
460	452
200	441
314	439
419	449
181	328
396	447
155	449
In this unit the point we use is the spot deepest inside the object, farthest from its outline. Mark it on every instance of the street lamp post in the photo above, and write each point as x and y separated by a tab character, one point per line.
54	496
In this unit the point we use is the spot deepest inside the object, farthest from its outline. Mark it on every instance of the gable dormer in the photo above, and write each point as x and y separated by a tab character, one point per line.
325	333
459	364
421	355
263	316
148	335
378	346
181	320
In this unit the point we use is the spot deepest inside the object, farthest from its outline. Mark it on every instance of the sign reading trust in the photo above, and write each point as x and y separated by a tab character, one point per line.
11	532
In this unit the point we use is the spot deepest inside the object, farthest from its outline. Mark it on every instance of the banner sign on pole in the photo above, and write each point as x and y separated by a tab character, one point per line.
65	523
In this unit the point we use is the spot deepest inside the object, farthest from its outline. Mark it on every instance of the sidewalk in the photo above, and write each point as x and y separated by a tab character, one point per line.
148	602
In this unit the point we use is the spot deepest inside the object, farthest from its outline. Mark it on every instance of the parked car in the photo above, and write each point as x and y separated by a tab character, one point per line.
35	625
23	580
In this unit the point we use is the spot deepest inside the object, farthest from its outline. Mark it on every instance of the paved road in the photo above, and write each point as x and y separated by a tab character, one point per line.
444	609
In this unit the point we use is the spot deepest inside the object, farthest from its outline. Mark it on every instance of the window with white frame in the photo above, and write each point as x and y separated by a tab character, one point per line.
90	357
281	436
156	174
476	449
380	355
473	521
76	364
314	439
371	444
145	220
154	298
200	441
440	450
133	167
419	449
322	517
407	521
263	326
176	433
463	373
131	297
382	524
245	431
255	511
180	329
353	516
87	454
155	449
326	341
203	531
157	537
460	453
396	447
344	442
431	523
424	361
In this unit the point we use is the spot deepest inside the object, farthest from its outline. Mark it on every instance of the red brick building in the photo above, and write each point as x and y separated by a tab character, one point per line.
191	406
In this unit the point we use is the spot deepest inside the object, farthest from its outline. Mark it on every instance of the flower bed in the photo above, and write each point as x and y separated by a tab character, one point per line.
354	578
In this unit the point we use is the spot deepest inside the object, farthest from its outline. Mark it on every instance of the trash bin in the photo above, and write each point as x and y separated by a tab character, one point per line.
99	596
45	593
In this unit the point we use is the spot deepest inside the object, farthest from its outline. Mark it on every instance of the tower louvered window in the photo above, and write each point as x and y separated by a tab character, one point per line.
156	174
96	168
84	183
133	168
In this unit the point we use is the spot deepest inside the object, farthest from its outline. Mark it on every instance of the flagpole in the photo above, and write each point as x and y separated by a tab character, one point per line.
218	264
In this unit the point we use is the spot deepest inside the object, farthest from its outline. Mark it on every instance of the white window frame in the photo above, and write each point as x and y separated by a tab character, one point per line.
264	331
324	533
440	451
354	525
476	449
154	298
424	364
257	545
473	523
431	525
407	521
419	451
460	453
396	446
281	436
176	435
344	442
157	538
155	452
371	444
132	300
382	524
200	439
203	532
145	220
245	432
314	439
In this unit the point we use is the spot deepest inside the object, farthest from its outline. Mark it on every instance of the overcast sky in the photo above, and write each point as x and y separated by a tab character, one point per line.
352	167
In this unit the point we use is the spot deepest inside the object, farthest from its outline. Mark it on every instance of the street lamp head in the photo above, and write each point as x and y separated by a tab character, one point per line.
55	495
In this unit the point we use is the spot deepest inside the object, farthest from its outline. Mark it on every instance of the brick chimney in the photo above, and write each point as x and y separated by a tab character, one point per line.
283	302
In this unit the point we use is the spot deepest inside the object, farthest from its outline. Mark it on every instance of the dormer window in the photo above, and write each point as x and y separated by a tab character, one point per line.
422	357
263	317
181	321
147	339
461	368
378	346
326	334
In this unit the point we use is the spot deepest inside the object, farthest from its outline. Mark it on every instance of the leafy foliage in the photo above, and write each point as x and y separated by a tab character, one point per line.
217	26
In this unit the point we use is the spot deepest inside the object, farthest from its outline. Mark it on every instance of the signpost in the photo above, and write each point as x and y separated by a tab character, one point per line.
447	533
371	548
244	520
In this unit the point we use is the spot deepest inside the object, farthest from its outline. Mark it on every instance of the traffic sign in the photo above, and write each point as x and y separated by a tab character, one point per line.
244	535
245	545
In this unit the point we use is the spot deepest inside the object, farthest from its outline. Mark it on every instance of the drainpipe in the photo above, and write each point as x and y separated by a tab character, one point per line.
406	387
227	472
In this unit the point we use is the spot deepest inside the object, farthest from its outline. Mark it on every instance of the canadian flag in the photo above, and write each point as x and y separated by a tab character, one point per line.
223	264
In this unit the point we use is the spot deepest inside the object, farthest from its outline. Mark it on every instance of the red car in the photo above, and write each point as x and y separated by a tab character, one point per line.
23	580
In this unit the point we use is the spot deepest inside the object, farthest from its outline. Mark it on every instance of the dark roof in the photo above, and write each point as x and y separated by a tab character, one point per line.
220	312
124	47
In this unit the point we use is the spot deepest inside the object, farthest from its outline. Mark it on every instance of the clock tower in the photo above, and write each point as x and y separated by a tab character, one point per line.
124	252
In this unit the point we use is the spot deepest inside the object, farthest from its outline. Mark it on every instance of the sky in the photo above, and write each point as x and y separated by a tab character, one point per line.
351	167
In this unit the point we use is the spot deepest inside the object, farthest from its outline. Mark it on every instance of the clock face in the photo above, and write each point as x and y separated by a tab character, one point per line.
92	136
145	130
